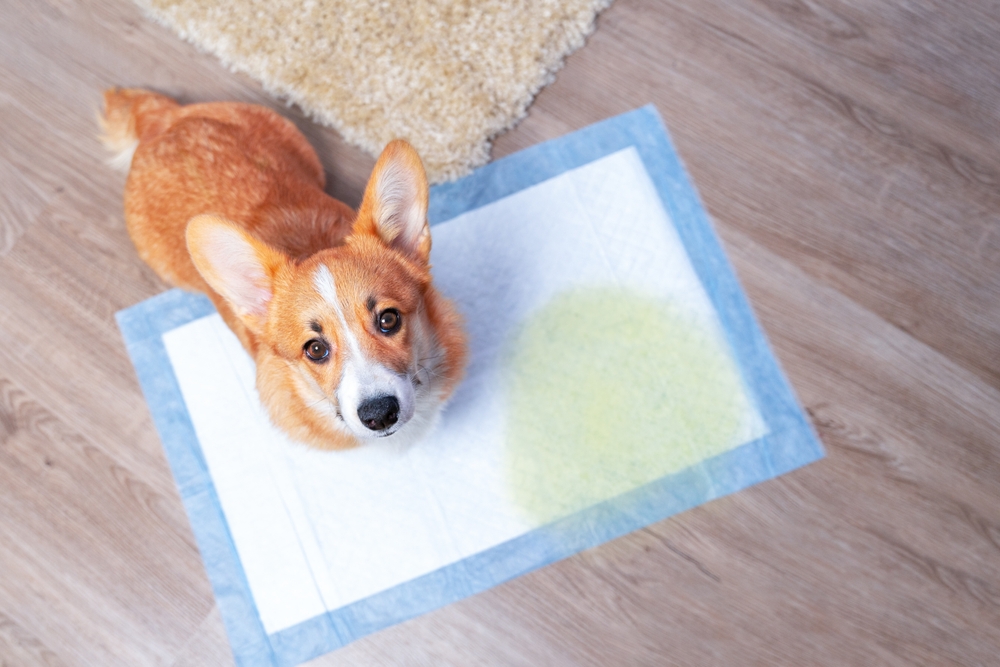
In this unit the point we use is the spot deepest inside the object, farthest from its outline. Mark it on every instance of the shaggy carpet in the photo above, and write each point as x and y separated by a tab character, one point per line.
446	75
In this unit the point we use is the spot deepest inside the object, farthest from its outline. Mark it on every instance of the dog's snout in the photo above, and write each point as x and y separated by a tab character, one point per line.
379	413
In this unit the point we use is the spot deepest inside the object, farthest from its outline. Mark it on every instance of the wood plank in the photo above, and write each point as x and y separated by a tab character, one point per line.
87	545
848	153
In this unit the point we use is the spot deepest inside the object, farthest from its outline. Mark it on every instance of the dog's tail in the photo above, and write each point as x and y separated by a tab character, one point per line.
130	114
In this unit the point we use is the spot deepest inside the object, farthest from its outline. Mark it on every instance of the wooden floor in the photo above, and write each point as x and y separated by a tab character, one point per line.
849	153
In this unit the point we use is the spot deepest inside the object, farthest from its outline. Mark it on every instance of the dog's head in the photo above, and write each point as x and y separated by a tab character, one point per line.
353	342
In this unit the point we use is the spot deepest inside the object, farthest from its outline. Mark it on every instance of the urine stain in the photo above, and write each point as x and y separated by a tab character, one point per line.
609	389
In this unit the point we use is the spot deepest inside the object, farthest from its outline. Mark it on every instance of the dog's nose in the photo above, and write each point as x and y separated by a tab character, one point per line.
379	413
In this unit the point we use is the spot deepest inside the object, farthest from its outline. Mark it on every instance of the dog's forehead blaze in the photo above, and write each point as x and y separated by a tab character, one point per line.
351	293
366	268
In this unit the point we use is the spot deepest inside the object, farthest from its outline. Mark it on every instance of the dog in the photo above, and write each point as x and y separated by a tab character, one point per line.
350	338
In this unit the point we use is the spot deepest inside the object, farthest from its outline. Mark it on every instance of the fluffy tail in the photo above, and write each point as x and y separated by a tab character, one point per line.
130	114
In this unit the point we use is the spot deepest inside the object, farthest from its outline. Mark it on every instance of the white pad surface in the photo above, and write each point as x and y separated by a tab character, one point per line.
318	530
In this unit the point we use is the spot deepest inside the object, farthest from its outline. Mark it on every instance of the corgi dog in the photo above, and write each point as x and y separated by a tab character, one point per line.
351	340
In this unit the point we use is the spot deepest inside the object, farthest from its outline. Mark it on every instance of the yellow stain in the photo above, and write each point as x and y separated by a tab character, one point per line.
609	390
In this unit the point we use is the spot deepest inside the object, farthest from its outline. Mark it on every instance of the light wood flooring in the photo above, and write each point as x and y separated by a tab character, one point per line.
849	153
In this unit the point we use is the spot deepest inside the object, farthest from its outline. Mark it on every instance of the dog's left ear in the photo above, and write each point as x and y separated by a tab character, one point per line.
395	203
234	264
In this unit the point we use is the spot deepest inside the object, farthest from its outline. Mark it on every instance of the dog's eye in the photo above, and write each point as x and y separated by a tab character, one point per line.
389	321
316	350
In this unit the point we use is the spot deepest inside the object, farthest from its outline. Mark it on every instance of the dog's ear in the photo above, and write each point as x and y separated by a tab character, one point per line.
395	203
234	264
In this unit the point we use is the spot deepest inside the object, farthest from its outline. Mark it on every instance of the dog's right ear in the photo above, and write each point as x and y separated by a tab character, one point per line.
234	264
394	206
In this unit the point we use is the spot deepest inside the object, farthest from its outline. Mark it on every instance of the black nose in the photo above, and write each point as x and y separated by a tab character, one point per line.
379	413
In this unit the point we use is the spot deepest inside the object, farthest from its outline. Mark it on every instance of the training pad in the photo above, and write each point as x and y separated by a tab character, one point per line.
616	377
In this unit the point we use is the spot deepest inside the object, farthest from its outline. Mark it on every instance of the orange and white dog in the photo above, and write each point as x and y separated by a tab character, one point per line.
351	340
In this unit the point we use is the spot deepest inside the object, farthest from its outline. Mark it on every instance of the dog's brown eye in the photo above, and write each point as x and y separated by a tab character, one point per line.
389	320
316	350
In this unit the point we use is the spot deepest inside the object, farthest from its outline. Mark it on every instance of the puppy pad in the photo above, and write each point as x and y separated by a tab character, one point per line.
617	376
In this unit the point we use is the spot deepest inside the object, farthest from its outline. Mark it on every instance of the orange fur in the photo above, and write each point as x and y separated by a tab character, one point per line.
261	232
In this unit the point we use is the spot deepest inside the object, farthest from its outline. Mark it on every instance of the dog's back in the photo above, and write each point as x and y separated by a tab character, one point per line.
240	161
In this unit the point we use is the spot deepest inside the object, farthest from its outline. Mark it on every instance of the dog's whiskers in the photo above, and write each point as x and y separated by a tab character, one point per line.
315	403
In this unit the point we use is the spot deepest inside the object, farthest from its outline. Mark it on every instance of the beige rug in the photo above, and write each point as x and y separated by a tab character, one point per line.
446	75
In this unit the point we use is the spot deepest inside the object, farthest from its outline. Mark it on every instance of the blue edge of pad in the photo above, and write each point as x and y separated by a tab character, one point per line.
791	442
